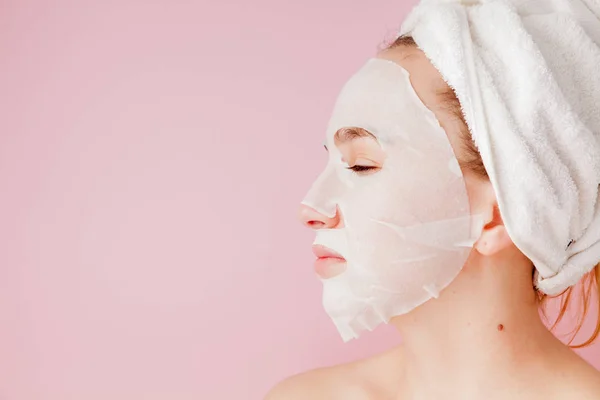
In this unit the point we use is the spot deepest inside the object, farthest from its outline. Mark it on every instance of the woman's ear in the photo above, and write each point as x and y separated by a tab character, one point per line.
494	237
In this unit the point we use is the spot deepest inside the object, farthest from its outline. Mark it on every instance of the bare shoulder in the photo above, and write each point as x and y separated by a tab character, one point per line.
323	383
574	379
359	380
585	385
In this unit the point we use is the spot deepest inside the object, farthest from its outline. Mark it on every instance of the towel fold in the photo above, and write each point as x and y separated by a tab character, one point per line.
527	74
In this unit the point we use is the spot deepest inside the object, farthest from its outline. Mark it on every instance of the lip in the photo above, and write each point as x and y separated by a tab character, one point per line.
328	263
325	252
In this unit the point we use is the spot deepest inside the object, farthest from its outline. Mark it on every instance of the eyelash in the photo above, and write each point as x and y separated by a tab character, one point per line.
360	169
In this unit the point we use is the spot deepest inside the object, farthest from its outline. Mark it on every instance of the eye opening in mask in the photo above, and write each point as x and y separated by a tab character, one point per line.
360	150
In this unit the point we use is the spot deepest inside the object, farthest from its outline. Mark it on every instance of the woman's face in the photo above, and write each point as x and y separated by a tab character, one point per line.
362	153
390	210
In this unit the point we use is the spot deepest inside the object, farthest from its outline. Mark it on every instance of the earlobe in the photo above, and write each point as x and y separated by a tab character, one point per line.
494	237
492	240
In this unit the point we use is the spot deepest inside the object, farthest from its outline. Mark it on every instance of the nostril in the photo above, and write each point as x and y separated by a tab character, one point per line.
315	224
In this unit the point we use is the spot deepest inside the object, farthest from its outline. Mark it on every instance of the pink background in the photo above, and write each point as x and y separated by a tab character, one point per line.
152	157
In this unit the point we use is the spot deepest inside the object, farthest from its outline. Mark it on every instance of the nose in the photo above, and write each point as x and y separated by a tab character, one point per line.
313	219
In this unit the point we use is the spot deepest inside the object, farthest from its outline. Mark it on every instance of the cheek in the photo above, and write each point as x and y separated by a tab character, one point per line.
410	189
380	196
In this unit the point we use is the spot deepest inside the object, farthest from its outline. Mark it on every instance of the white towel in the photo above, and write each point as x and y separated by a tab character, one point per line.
527	74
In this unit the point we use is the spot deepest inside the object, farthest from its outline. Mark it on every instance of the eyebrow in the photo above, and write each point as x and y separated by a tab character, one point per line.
347	134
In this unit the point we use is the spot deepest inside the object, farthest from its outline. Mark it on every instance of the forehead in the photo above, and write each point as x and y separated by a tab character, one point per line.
379	98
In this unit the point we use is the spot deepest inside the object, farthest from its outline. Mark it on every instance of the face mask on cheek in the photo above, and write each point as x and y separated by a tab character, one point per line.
407	228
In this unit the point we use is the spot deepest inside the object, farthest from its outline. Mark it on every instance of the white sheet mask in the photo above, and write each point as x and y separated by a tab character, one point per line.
407	229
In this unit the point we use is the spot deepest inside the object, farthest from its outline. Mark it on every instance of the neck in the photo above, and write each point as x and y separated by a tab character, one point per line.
483	332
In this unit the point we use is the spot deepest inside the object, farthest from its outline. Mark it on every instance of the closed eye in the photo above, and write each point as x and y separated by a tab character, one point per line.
362	169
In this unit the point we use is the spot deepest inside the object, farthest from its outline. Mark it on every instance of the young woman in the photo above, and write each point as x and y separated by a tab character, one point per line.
479	335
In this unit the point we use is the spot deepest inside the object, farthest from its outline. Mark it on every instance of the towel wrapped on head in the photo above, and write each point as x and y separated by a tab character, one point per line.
527	75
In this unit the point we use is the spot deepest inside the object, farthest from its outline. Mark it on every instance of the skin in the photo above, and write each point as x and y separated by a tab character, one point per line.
483	337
